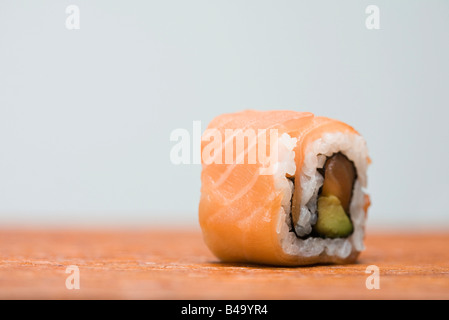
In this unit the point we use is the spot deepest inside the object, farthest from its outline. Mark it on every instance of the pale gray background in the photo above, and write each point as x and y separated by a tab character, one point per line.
85	115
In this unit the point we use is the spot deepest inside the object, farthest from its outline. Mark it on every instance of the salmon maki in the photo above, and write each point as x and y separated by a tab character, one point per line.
283	188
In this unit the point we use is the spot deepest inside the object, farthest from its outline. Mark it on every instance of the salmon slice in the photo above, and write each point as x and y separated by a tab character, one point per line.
240	208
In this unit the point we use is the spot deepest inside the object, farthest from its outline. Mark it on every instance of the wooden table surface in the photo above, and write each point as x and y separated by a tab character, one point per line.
175	264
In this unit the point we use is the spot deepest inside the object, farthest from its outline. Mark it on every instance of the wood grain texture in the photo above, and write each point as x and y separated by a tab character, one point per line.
175	264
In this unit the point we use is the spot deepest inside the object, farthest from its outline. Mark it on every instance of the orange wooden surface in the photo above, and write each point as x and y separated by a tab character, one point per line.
175	264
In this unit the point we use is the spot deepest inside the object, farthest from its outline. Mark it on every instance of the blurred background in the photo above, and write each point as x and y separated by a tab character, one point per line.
86	114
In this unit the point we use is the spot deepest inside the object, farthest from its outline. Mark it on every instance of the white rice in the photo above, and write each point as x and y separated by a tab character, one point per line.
352	146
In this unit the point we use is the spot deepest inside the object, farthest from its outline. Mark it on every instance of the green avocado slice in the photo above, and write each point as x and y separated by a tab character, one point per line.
332	221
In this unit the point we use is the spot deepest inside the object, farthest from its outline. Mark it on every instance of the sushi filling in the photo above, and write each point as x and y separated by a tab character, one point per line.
305	200
332	218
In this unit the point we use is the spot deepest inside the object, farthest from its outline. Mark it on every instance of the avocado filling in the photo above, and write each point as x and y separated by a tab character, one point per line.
333	222
334	198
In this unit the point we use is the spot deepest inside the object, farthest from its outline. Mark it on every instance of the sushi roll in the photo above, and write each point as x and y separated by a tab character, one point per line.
296	197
